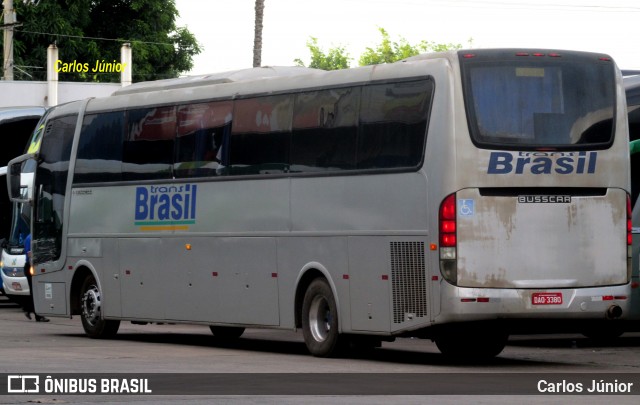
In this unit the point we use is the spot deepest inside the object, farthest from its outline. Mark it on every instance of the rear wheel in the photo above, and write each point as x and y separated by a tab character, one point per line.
463	343
604	333
320	320
91	305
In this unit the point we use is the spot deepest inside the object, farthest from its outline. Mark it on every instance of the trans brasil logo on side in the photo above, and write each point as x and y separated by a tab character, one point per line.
166	208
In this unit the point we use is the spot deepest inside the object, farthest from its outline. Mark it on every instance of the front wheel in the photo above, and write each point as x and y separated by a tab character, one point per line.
320	320
91	305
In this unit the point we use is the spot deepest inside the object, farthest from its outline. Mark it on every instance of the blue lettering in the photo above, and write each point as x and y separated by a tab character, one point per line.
176	212
186	202
165	207
592	162
542	165
152	205
520	163
580	167
564	165
500	163
542	162
166	204
142	211
193	202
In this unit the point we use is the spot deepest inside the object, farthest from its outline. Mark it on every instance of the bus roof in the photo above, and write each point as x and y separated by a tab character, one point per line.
9	114
216	78
254	82
632	83
632	88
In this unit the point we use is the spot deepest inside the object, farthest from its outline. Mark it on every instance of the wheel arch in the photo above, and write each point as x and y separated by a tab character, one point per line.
82	270
306	276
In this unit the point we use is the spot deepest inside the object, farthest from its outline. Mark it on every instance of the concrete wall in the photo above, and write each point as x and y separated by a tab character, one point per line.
24	93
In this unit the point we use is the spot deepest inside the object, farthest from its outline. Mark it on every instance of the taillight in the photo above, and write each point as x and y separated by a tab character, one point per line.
448	221
447	227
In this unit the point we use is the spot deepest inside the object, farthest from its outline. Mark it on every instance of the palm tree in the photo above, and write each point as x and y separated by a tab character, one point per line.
257	38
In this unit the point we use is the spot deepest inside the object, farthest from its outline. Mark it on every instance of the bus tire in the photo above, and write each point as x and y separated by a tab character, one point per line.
320	320
91	311
227	332
462	344
603	334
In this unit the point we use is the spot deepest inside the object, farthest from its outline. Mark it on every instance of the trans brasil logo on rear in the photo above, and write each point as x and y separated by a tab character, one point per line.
542	162
166	208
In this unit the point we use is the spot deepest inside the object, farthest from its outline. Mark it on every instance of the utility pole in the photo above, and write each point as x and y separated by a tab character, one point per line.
9	23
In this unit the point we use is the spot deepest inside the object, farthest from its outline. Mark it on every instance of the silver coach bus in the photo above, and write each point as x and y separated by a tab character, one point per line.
447	196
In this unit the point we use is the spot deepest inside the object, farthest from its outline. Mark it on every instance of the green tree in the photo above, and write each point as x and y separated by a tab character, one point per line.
336	58
385	52
389	52
87	31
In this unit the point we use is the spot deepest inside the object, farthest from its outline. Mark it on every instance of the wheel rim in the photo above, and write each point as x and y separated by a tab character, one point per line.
320	318
91	305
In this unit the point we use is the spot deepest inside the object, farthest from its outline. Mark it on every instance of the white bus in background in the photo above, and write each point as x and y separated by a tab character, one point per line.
16	286
449	196
16	128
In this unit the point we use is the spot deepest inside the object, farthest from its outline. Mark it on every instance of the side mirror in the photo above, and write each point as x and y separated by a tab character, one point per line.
20	176
13	178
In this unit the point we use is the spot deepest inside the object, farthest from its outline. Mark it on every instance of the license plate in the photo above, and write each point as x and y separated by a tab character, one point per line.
16	286
554	298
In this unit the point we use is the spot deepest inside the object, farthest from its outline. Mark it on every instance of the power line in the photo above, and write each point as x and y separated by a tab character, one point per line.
95	38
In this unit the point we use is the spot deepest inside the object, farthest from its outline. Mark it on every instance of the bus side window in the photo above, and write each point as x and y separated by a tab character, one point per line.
325	129
202	139
148	146
99	156
260	135
393	124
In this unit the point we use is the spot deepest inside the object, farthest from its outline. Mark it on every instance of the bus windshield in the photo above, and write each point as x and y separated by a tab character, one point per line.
19	229
529	101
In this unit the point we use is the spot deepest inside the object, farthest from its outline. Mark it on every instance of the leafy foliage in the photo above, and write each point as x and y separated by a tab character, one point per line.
81	29
387	51
334	59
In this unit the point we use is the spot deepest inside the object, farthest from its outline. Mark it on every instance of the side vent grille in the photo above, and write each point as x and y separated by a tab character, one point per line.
408	281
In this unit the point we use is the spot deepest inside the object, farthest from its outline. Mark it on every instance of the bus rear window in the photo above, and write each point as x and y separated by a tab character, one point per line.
533	102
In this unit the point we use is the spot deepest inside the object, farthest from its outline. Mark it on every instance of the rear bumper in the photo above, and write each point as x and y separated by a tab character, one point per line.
475	304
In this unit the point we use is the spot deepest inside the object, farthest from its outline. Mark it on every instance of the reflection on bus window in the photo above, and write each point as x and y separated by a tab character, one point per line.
325	129
260	135
148	147
202	141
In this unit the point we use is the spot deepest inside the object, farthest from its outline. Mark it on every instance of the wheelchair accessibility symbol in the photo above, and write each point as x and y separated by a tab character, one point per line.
466	207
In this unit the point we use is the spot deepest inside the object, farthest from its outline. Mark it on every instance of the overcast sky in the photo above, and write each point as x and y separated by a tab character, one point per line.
225	27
